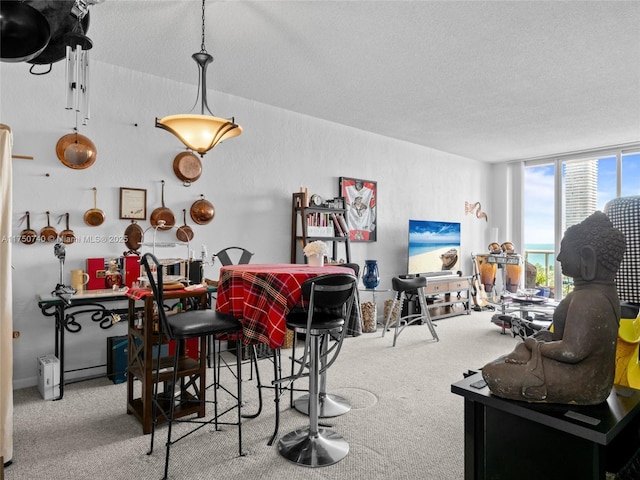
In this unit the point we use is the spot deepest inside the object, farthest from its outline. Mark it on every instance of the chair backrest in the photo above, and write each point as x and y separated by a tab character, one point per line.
332	291
334	294
225	259
153	269
353	266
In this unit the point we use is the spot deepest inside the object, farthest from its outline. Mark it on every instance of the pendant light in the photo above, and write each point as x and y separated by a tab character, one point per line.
200	132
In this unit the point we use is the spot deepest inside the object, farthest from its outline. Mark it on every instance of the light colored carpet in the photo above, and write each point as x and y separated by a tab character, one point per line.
405	422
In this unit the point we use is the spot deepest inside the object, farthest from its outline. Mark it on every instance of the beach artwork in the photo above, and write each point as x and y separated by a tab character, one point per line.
433	246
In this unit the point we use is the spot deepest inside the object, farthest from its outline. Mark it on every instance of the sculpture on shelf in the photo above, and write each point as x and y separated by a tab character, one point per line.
574	363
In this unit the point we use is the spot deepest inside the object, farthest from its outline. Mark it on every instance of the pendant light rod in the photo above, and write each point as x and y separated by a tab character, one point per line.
201	132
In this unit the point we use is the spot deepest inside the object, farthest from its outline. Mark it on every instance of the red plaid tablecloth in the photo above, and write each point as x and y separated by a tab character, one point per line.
261	296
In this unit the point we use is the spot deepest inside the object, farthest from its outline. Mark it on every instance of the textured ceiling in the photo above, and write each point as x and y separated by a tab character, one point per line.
495	81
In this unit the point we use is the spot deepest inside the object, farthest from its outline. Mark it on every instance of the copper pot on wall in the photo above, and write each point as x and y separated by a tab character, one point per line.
187	167
48	233
67	236
185	232
94	217
28	236
202	211
76	151
133	235
162	217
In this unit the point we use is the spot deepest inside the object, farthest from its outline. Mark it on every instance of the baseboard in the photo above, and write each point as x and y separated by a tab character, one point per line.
24	383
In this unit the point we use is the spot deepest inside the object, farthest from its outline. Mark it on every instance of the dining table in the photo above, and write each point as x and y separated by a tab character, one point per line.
261	296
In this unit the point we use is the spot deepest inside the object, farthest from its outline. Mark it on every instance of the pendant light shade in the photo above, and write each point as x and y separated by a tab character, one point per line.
200	132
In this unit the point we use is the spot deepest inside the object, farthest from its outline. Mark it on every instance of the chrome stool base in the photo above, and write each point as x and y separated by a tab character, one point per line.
320	450
329	405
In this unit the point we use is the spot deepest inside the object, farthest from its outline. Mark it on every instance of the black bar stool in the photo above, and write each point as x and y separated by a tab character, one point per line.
401	286
330	405
330	299
176	395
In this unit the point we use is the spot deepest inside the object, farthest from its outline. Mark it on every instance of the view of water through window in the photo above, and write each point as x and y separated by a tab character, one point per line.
587	185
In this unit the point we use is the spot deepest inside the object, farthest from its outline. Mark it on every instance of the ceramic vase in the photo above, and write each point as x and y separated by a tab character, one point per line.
315	260
371	275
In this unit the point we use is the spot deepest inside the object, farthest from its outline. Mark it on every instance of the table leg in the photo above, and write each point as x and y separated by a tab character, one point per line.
277	373
59	346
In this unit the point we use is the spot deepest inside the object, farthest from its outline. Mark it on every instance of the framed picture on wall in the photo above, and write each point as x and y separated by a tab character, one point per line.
133	203
361	201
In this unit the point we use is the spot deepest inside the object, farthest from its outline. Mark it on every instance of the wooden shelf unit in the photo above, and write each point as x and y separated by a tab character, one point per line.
142	363
300	236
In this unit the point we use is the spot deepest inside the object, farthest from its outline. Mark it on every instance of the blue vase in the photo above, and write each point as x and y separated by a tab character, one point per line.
371	276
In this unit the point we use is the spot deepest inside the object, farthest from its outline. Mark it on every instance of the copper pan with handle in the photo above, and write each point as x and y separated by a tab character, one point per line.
48	233
94	217
185	232
133	235
187	167
67	236
162	217
202	211
28	236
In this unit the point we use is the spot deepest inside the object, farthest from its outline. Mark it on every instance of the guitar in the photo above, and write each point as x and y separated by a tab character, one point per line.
479	294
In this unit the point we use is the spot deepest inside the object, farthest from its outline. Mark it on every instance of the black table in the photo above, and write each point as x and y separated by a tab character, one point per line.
504	438
66	314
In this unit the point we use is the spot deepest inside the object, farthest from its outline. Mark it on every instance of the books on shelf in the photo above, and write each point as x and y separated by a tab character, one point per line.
343	225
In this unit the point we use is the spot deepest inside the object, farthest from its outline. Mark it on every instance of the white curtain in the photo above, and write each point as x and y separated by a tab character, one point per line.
6	299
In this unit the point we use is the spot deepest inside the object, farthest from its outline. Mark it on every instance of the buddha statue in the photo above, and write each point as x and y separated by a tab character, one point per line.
574	363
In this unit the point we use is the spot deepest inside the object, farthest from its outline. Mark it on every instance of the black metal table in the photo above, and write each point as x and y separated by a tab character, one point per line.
66	311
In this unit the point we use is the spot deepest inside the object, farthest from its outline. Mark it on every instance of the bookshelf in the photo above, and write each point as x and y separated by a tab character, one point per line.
310	223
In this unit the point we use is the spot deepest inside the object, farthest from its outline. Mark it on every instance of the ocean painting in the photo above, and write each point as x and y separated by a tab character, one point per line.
433	246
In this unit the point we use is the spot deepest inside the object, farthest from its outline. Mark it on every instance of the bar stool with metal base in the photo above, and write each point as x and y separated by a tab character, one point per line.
401	286
330	405
181	394
327	295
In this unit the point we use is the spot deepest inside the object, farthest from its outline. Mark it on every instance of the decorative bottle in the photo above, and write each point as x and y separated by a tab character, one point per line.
371	276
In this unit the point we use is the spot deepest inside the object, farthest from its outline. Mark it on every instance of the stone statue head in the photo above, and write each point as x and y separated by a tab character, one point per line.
592	249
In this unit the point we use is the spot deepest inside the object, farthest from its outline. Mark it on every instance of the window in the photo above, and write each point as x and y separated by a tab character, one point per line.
587	183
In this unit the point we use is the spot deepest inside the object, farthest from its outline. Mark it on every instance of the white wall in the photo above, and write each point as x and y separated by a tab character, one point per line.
249	179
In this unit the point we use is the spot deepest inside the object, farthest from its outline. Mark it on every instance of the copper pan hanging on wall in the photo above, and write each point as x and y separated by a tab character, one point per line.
67	236
187	167
28	236
185	232
202	211
48	233
162	217
133	235
94	217
76	151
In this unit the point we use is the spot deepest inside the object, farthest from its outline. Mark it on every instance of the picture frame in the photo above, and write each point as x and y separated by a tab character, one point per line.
133	203
361	204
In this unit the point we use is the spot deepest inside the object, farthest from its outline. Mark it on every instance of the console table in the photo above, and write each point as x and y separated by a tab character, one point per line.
66	310
447	285
546	440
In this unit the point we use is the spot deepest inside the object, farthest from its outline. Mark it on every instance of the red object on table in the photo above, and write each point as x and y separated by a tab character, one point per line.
96	272
261	296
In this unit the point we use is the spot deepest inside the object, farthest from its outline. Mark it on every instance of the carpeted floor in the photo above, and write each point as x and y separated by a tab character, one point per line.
405	422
